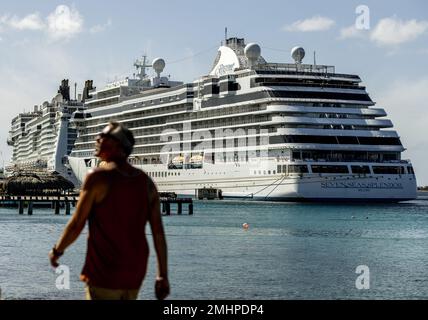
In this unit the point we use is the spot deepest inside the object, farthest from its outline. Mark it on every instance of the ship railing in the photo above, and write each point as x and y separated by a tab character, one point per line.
292	67
349	160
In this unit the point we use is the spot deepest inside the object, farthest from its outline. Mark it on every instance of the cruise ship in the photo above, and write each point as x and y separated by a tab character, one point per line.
254	130
43	138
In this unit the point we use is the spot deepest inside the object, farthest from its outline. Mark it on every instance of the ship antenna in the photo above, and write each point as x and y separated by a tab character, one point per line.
225	35
315	61
142	65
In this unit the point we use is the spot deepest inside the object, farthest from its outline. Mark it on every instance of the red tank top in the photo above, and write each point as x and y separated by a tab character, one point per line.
117	251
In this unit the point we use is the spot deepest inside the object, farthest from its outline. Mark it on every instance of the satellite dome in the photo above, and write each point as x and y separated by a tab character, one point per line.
298	53
158	65
252	51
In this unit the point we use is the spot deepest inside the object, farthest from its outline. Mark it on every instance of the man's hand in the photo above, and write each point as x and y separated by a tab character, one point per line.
161	288
53	259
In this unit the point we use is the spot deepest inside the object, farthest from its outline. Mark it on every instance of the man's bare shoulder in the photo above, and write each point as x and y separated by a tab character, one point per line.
96	176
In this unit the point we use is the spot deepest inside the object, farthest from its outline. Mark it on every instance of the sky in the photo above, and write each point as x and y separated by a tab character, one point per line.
384	42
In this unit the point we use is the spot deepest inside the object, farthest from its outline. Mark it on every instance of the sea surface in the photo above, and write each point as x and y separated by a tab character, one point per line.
289	251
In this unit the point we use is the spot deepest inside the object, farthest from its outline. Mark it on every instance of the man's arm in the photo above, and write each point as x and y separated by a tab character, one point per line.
77	222
158	233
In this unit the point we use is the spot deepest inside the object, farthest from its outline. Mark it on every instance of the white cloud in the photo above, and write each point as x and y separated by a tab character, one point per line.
100	27
351	32
64	23
29	22
405	102
393	31
316	23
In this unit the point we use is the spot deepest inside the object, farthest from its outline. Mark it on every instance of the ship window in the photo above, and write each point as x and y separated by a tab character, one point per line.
410	170
268	171
279	169
360	169
347	140
329	169
297	168
297	155
388	170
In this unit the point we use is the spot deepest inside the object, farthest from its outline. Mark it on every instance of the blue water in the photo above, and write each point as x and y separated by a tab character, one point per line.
290	251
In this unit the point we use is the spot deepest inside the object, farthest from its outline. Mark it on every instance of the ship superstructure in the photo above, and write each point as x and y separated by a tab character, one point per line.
254	129
42	139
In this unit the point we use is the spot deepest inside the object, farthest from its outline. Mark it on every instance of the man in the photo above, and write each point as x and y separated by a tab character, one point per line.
117	200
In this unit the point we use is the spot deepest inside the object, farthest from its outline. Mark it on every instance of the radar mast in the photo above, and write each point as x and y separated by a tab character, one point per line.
141	65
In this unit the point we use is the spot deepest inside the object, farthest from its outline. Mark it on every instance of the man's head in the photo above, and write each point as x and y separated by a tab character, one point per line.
114	142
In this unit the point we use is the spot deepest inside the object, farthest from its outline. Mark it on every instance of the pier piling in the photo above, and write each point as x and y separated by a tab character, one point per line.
21	206
30	208
56	206
67	207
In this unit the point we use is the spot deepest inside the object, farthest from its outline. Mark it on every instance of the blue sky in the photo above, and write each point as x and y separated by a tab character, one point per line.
42	42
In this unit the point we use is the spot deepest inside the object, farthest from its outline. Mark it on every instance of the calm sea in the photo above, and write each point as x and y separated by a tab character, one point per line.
289	251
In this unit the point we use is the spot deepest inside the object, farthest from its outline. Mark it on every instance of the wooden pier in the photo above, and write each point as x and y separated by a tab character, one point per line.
168	198
70	200
29	202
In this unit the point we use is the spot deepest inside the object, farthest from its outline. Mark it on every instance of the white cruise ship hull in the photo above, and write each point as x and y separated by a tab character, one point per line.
243	181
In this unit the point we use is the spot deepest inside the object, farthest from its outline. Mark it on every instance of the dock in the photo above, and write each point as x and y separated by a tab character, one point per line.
168	198
69	201
29	202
